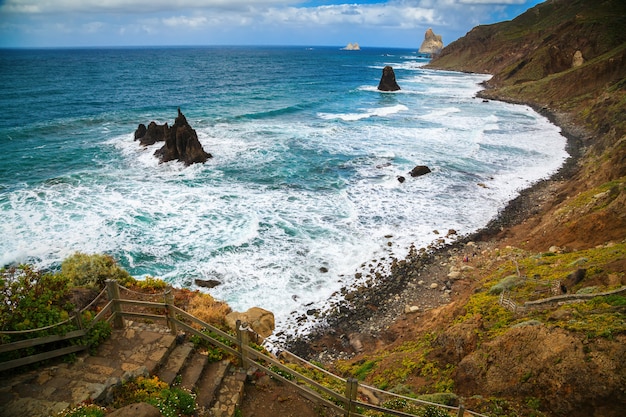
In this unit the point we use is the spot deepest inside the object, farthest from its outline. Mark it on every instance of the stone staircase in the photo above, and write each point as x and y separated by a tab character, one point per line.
137	350
218	386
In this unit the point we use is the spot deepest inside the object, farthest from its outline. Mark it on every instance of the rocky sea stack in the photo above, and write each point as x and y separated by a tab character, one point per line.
388	80
181	141
433	44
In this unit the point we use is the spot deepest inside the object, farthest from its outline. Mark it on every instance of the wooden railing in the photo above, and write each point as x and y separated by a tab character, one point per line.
507	302
346	396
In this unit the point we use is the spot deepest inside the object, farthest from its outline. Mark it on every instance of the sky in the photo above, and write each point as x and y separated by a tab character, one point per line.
373	23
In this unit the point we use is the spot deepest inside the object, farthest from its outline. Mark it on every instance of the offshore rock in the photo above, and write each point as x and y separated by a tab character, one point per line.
388	80
152	134
181	141
419	170
433	44
352	47
207	283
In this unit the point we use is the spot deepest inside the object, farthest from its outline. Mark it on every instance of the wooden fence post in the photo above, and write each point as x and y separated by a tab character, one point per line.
461	412
171	314
352	387
113	292
243	339
79	319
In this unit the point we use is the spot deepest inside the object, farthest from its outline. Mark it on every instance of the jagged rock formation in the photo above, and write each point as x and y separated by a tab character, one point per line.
181	141
388	80
433	44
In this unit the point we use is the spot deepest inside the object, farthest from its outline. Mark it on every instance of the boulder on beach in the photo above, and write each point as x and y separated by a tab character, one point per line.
388	80
181	141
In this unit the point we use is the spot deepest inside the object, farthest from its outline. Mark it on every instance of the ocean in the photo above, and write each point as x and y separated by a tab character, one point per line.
302	190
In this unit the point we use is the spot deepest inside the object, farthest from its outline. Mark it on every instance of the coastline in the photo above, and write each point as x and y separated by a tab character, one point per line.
422	281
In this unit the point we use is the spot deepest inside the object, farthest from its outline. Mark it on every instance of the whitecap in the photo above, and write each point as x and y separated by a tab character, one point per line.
377	112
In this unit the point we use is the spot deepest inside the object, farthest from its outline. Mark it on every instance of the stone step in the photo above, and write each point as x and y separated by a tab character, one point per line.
174	363
193	370
230	394
208	385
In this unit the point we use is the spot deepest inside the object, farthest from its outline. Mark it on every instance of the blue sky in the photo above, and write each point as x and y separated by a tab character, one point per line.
391	23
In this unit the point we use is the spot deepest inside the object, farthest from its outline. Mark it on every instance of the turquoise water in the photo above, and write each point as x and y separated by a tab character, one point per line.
304	175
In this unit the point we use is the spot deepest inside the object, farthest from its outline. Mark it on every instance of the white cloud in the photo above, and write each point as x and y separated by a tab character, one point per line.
243	21
496	2
341	14
184	21
127	6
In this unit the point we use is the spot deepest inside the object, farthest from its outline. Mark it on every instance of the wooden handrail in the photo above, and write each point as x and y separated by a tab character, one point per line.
308	387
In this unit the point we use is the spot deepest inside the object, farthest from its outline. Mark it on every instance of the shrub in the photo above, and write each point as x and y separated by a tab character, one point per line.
432	411
171	402
208	309
31	299
151	284
97	334
506	284
93	270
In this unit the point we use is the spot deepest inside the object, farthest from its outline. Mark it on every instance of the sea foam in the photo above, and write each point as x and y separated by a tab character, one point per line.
302	189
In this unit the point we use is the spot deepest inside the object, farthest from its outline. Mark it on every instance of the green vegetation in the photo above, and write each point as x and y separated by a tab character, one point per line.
32	299
170	401
598	316
93	270
392	369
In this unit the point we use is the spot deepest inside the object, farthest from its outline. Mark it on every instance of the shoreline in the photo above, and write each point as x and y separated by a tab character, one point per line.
422	280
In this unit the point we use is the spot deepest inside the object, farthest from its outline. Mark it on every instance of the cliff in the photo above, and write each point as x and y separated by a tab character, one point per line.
568	60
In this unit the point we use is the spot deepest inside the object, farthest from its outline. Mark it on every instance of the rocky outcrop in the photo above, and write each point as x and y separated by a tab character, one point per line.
181	141
207	283
388	80
577	59
152	134
352	47
433	44
259	320
570	375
